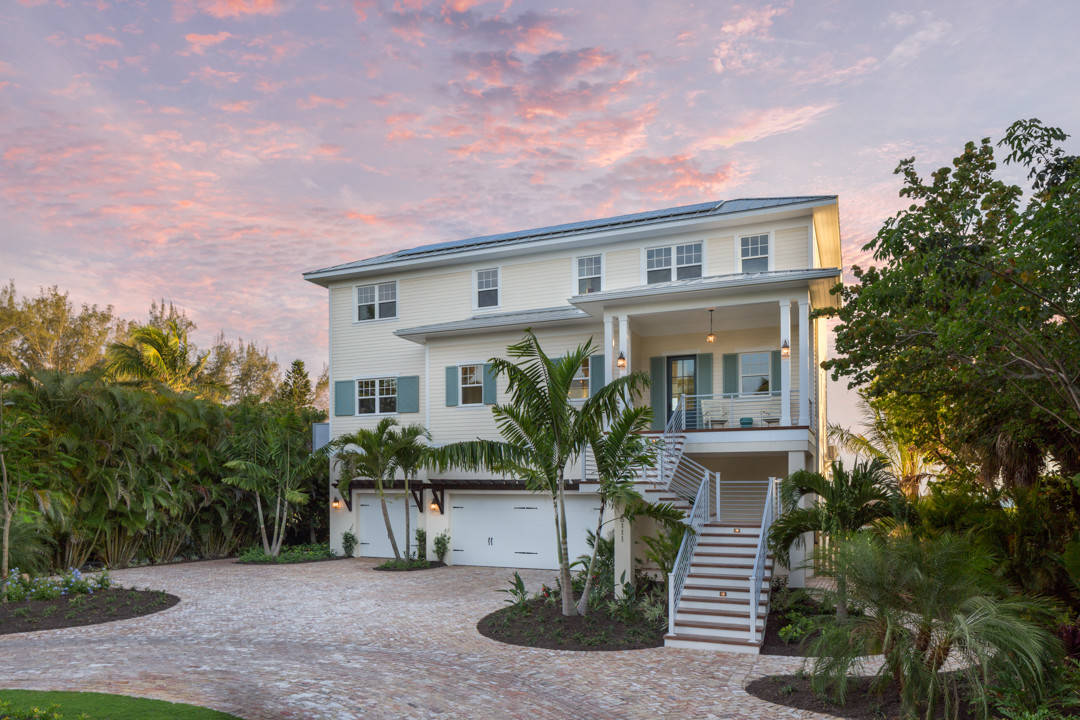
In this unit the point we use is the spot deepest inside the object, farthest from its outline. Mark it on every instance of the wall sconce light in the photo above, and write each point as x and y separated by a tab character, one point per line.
711	337
336	503
434	507
785	349
620	362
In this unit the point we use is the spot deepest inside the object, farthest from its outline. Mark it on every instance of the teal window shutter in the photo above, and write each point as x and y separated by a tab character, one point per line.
703	374
408	394
451	385
658	392
345	397
731	373
774	383
489	385
597	379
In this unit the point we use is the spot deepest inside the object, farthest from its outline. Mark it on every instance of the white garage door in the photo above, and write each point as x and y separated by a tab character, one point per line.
371	528
516	530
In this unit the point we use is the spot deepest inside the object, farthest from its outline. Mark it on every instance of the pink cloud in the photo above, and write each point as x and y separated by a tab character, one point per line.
316	101
753	21
215	77
240	106
763	124
184	9
197	44
96	41
328	150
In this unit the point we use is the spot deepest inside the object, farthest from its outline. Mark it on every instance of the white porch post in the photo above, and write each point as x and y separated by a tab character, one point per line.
609	346
785	364
624	343
805	369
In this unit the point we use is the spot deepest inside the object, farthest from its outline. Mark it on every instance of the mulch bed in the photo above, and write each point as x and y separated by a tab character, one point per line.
75	610
540	624
795	692
432	564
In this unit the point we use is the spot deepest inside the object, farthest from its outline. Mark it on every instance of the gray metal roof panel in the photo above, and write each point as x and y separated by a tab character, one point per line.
682	212
709	282
496	320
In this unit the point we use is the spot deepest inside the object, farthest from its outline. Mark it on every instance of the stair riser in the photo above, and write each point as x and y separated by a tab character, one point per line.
733	593
743	607
743	623
713	647
722	576
723	558
719	633
730	539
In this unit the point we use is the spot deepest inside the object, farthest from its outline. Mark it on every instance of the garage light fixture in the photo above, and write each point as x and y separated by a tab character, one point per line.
336	503
434	507
785	349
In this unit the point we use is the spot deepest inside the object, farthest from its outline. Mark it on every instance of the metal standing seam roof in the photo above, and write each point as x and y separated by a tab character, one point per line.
709	282
497	320
683	212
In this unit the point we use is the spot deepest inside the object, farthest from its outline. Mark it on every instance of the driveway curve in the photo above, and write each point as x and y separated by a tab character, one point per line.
340	640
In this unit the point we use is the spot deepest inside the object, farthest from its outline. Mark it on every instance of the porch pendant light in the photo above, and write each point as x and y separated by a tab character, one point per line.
620	362
711	337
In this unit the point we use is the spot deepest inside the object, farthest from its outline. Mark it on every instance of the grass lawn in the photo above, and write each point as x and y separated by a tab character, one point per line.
99	706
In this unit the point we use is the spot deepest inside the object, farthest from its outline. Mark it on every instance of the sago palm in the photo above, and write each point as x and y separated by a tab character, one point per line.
370	453
926	602
839	506
542	429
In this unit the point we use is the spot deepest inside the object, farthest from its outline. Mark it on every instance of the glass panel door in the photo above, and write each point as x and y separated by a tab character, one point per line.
681	373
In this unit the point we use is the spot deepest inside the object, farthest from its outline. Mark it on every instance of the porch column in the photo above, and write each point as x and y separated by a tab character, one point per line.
624	343
805	366
785	364
609	346
801	557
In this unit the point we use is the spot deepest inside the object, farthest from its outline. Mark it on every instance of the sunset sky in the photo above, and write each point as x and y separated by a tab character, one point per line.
209	151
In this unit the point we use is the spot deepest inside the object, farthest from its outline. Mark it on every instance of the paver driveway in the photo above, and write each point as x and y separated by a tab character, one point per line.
340	640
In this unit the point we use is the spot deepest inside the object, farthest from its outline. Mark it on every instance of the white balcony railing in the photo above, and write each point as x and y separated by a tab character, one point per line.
727	411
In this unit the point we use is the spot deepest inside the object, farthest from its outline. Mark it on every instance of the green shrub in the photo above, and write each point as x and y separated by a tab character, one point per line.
516	594
442	545
421	544
404	564
53	712
288	554
798	628
348	543
21	586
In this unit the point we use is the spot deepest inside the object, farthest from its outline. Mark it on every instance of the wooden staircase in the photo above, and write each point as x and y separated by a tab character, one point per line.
713	612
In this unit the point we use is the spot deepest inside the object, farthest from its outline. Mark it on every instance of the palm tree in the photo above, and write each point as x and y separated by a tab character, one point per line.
370	454
163	356
925	602
542	429
619	453
846	503
410	453
885	440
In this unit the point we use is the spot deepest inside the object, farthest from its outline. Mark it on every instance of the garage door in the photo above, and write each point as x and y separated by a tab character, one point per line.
516	530
371	528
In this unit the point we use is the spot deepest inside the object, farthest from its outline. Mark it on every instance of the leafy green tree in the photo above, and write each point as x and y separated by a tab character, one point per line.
295	389
162	356
370	453
925	602
840	505
410	454
46	332
273	465
968	326
886	440
543	430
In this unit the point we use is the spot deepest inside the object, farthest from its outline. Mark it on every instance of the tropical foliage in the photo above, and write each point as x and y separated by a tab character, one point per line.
543	429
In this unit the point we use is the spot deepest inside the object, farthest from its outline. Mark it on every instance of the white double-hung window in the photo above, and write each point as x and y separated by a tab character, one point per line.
679	262
487	288
589	273
374	302
472	385
579	386
755	371
754	253
376	396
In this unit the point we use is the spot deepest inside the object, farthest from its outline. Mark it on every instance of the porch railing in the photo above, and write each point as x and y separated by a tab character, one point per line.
721	411
699	515
757	575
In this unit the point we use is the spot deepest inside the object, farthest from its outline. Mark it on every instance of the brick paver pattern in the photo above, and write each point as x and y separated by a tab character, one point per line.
340	640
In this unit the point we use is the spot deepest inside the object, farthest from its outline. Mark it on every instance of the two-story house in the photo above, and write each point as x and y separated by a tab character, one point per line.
712	300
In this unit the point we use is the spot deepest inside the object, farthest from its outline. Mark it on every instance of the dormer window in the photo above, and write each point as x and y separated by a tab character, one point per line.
659	265
754	253
487	288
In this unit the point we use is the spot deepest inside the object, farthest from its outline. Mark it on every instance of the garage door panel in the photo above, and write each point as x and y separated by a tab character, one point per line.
371	527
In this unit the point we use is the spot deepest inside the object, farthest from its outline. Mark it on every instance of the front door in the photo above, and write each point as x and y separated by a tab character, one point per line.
680	380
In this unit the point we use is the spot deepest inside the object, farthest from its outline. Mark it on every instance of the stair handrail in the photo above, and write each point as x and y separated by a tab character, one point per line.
699	512
757	575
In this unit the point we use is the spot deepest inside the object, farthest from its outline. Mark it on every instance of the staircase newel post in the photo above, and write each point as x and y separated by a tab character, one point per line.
671	603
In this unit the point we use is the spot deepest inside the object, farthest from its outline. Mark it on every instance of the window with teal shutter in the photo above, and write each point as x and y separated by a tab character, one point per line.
408	394
344	397
775	372
731	374
451	385
489	385
596	373
658	392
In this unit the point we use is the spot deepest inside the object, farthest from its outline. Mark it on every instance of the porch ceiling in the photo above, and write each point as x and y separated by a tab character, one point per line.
682	322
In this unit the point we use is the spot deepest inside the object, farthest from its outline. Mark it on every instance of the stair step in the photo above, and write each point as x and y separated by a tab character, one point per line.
708	625
735	614
707	642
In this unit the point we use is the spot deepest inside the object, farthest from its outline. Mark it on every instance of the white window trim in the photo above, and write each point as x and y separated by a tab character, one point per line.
356	303
460	386
476	290
768	352
588	387
748	233
356	392
574	271
674	258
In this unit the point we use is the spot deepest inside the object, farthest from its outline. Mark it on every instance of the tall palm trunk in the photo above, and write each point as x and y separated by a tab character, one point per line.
262	524
389	527
408	550
9	512
568	606
583	601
